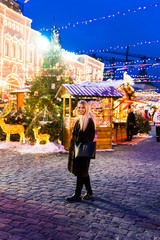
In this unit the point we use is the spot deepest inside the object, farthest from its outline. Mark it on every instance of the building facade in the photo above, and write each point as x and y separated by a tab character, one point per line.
83	68
21	58
19	53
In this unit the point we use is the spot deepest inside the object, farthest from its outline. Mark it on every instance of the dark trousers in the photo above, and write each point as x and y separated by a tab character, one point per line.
83	181
129	133
158	134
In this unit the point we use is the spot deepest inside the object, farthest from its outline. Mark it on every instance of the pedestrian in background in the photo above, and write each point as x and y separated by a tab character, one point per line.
84	131
131	124
146	116
156	120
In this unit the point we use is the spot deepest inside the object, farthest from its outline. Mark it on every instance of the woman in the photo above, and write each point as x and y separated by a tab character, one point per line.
84	131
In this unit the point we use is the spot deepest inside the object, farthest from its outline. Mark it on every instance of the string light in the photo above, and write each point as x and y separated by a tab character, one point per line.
133	66
120	70
119	47
101	18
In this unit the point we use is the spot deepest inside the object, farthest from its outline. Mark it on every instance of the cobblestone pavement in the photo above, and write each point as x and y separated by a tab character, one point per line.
126	203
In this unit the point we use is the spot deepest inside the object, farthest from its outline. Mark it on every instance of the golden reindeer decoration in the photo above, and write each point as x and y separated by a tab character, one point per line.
40	137
11	129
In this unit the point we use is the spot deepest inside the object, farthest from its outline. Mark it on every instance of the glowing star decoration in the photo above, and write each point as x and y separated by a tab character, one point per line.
26	1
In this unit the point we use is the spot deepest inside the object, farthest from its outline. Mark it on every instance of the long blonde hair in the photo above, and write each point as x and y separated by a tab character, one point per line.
84	119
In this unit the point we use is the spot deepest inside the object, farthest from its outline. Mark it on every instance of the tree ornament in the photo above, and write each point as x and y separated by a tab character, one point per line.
53	86
36	93
58	77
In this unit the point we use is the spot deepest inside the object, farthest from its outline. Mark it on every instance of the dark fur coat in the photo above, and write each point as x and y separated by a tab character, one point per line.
79	166
131	120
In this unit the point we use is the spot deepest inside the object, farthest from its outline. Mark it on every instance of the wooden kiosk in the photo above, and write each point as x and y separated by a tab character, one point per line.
100	100
20	95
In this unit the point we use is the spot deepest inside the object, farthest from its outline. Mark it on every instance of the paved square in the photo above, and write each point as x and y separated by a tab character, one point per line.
126	185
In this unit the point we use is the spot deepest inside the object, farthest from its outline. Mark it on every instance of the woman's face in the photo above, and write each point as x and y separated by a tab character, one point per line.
81	109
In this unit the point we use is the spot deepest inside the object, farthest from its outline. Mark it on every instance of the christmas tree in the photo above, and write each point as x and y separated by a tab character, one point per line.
41	106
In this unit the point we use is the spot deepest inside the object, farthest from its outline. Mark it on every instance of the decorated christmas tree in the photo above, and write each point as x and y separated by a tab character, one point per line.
41	106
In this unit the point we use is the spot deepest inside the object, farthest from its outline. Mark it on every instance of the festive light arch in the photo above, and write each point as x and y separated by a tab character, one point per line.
12	79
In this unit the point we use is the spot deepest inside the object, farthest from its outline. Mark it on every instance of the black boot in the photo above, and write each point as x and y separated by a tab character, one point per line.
74	198
89	193
87	196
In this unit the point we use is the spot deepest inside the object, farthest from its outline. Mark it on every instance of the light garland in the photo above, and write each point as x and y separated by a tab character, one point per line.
118	73
150	76
119	47
119	68
101	18
133	66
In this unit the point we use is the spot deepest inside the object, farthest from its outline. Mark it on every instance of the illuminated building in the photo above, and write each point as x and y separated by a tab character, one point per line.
83	68
19	53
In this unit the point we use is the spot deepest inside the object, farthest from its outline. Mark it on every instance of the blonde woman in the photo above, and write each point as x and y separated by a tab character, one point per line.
84	131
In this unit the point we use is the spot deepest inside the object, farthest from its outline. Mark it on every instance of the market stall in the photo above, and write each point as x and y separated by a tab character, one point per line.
100	99
120	105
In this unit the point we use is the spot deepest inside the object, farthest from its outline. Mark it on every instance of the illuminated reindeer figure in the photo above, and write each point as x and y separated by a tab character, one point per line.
40	137
11	129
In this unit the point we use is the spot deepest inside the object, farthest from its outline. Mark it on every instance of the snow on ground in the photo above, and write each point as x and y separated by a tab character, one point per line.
37	148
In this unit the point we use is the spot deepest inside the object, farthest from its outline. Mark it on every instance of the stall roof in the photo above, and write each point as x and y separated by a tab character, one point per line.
114	83
21	90
89	91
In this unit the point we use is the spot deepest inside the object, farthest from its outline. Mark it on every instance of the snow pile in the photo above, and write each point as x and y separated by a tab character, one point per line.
37	148
4	145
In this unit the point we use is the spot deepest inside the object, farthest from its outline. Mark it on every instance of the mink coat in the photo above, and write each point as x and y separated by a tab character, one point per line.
79	167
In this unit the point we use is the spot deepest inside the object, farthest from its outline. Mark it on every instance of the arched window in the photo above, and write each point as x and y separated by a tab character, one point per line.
13	51
20	52
6	50
31	56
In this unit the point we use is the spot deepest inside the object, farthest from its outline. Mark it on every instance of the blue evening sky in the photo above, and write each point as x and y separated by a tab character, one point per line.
122	30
